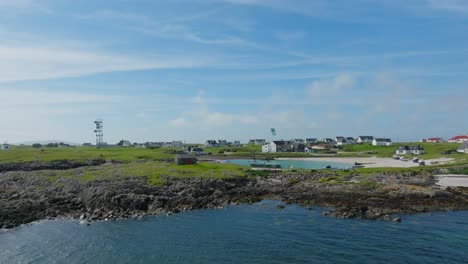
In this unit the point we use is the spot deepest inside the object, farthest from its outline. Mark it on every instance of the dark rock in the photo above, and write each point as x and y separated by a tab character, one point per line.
26	197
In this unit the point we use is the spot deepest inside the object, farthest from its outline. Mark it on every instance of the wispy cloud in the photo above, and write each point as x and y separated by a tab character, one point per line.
170	28
460	6
41	97
346	9
25	62
14	6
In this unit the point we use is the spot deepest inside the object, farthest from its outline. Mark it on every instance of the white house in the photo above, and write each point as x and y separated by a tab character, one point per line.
463	148
364	139
382	142
350	140
311	141
433	140
405	150
267	148
459	139
173	144
340	141
278	146
5	146
124	143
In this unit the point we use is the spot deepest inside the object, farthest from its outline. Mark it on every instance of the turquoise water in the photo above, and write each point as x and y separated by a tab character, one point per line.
297	164
257	233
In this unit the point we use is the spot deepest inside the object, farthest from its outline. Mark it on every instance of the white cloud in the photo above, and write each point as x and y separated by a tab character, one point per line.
10	97
178	122
323	89
38	62
449	5
14	3
41	114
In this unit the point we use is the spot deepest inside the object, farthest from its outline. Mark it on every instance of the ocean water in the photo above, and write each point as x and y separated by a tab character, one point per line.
258	233
297	164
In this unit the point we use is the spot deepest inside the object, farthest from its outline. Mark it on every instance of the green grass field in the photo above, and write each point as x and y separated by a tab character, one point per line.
154	171
22	154
154	164
433	150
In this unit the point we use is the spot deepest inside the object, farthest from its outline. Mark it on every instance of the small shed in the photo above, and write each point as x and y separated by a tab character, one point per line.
185	159
5	147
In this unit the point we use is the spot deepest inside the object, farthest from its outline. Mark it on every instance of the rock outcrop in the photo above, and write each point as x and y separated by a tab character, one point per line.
26	197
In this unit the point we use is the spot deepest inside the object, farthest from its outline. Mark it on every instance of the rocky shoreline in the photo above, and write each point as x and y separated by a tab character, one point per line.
26	197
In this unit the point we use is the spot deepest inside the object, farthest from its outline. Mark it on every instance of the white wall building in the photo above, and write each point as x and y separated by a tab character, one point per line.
406	150
267	148
463	148
382	142
459	139
364	139
5	146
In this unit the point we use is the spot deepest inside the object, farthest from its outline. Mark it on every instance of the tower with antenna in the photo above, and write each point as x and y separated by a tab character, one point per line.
99	132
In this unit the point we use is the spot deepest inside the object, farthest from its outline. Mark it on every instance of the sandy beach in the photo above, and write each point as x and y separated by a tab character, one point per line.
452	180
374	162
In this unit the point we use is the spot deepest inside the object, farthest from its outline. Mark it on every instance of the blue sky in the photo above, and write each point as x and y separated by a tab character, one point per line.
197	69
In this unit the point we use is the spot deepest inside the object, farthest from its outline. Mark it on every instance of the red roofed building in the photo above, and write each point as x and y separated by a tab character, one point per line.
434	140
459	139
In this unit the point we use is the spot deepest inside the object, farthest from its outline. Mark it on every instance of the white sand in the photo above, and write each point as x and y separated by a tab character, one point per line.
374	162
451	180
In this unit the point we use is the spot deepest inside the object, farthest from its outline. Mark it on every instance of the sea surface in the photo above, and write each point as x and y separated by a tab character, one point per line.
258	233
296	164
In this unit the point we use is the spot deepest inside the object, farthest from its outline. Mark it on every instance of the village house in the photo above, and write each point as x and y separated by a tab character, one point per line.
267	148
236	143
5	147
257	142
433	140
173	144
222	143
364	139
382	142
87	145
278	146
311	141
350	140
463	148
406	150
340	141
329	141
211	143
124	143
299	141
299	147
459	139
